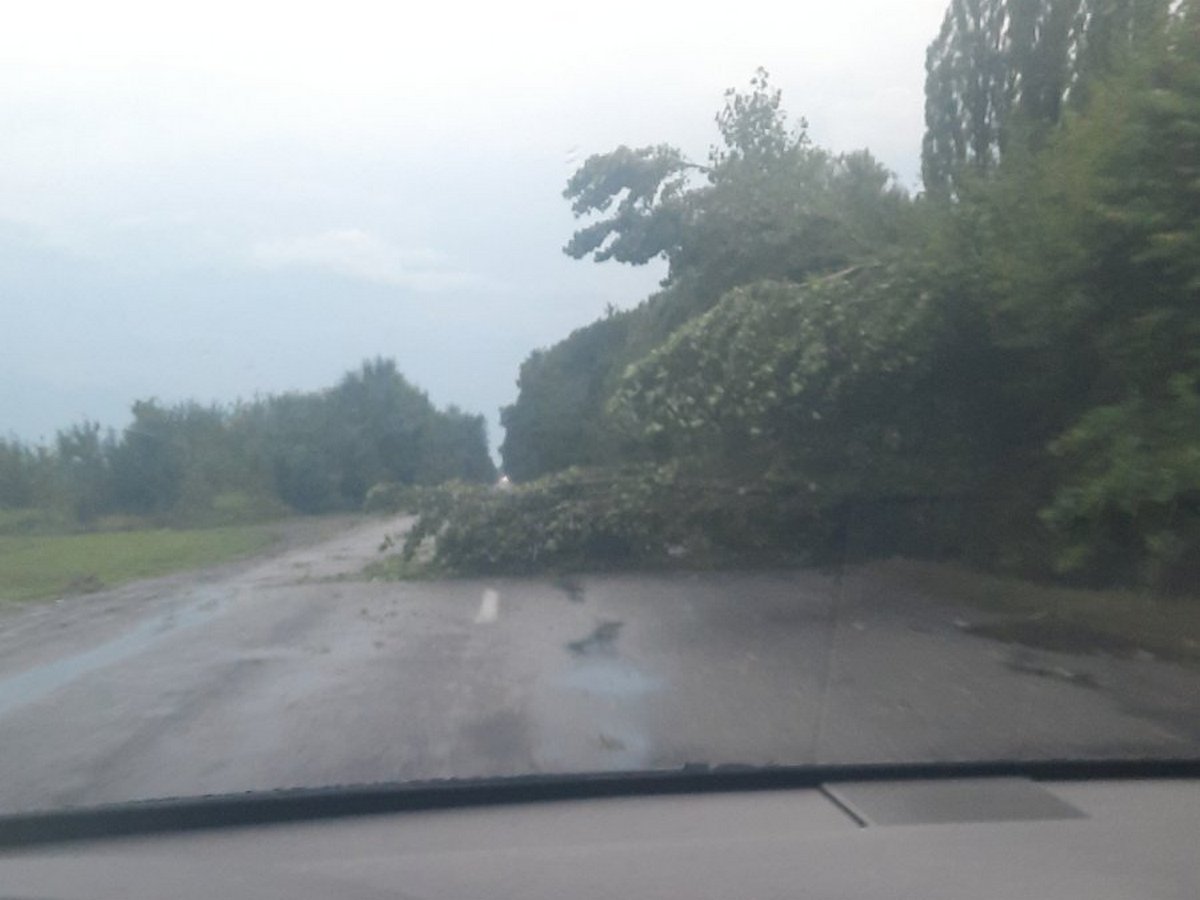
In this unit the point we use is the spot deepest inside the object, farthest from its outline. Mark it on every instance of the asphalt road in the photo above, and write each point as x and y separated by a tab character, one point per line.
293	671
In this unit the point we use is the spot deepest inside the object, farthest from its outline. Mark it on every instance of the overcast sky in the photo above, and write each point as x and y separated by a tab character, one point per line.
251	197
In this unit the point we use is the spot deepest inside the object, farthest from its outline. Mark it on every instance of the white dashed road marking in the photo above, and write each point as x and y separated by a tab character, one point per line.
489	607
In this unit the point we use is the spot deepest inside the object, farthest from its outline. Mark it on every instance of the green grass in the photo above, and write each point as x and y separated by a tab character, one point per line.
37	566
1115	622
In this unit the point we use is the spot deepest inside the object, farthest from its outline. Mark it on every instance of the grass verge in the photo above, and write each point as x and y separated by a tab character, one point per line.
37	566
1122	623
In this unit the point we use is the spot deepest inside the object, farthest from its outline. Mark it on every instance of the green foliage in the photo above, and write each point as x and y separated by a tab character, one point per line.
1024	337
193	464
26	475
83	482
149	464
1001	72
648	217
802	214
754	127
770	206
454	446
634	515
670	515
1134	495
816	379
1091	268
325	450
555	421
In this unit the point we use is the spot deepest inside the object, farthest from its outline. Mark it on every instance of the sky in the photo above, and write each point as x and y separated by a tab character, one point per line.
241	198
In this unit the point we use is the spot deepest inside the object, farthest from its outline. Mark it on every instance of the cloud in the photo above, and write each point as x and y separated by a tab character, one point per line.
360	255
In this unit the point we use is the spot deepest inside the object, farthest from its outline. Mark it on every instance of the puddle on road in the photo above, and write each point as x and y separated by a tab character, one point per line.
600	642
596	670
34	684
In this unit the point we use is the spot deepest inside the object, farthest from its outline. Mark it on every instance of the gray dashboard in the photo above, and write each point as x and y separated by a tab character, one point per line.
957	838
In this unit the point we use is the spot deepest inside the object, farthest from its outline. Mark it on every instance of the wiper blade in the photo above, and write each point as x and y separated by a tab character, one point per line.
156	817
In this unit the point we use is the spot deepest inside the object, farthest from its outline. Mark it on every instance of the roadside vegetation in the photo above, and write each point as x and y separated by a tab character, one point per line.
650	516
1117	622
189	485
641	516
189	464
194	465
35	566
1002	370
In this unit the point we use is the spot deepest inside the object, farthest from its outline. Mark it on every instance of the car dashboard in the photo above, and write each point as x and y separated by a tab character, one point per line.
955	836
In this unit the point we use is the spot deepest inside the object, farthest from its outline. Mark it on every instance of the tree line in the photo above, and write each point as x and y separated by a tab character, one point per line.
307	452
1023	336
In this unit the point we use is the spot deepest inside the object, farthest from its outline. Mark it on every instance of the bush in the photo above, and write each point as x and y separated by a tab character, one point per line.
634	516
1130	509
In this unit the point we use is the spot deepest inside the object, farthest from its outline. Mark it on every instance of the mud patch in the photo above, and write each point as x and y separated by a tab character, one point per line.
572	586
84	584
608	742
1045	633
600	642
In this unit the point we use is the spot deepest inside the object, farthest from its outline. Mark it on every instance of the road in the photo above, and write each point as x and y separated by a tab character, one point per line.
292	670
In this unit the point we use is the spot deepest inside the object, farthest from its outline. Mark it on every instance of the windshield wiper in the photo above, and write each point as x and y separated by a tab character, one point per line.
152	817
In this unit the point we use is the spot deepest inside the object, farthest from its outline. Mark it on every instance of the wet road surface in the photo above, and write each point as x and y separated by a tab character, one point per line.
293	671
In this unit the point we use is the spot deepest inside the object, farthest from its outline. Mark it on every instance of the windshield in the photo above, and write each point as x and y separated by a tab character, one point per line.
505	389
